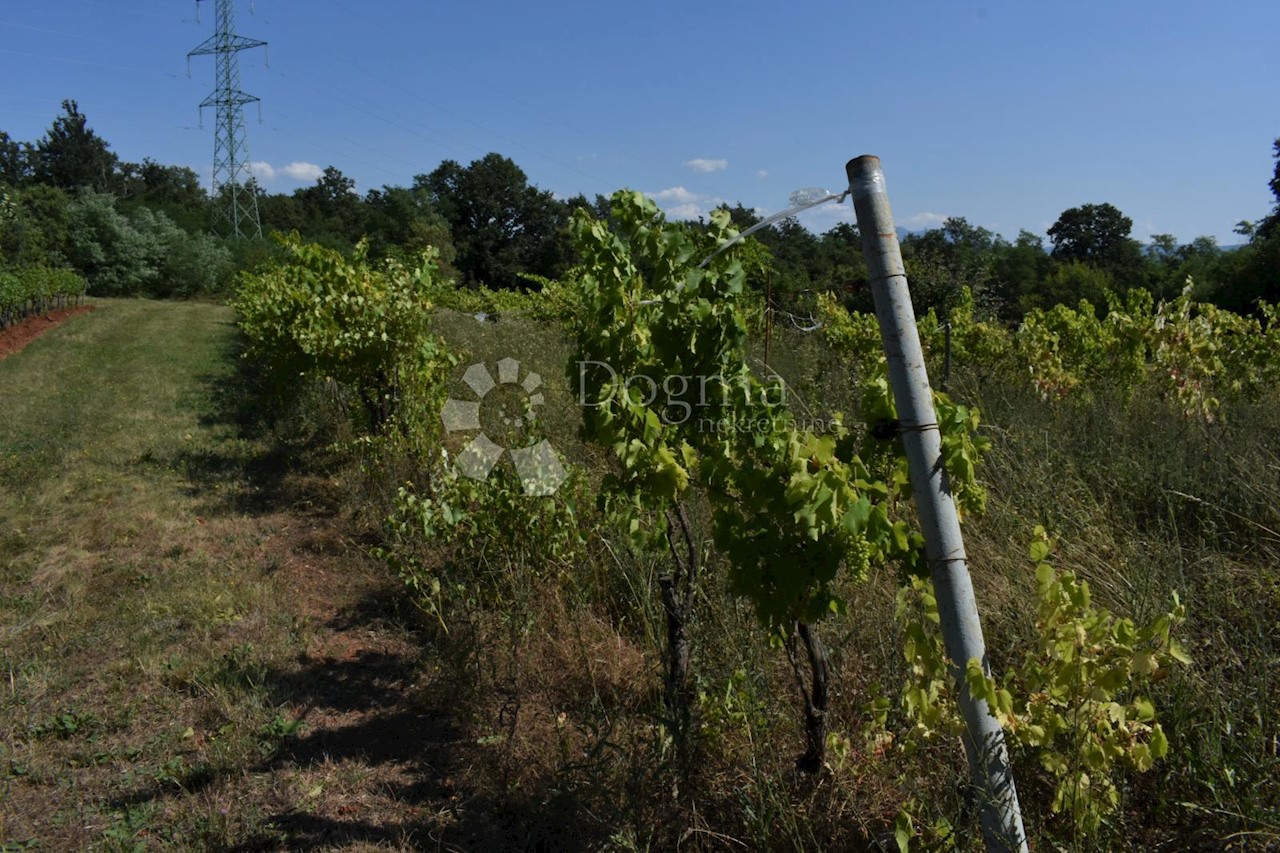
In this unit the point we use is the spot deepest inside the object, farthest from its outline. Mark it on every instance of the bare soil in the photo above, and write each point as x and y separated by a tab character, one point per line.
15	338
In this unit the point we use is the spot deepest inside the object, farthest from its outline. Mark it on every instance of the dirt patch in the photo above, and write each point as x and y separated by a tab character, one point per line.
15	338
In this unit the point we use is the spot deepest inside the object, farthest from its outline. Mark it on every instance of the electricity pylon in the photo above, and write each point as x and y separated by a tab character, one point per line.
235	196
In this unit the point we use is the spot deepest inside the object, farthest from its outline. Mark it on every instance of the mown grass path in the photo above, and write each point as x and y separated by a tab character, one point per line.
192	653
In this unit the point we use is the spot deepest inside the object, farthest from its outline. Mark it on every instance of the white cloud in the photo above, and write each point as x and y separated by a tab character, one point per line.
762	173
679	194
920	221
296	171
824	217
685	211
702	164
680	203
301	171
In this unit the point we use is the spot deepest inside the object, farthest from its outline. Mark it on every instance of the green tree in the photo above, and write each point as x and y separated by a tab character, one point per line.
1275	178
1098	235
942	261
71	155
332	208
401	220
15	160
796	265
1067	284
116	258
1164	247
740	216
1270	226
502	225
600	208
1017	272
1091	233
843	268
184	264
40	230
282	212
173	190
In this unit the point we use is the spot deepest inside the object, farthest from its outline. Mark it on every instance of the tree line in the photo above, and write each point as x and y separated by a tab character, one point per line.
143	228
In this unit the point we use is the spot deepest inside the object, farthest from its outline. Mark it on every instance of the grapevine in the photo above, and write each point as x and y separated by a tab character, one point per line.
327	317
793	511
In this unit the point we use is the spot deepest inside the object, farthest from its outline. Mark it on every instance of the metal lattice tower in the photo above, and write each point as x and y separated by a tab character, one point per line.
234	192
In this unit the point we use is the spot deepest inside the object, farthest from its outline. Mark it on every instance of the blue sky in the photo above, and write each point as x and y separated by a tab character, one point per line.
1005	113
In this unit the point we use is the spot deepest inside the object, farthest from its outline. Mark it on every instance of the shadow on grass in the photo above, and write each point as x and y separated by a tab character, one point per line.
376	707
380	716
425	781
264	439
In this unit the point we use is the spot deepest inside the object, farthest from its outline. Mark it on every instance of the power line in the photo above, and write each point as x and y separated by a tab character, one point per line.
355	106
440	108
348	140
476	124
48	58
43	30
343	154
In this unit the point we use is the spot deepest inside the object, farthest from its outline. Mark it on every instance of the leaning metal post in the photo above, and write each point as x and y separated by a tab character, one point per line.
990	773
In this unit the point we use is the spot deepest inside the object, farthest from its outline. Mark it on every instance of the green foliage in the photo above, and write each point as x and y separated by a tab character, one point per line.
175	191
1067	349
15	160
1096	234
650	313
502	225
555	301
1018	270
943	263
497	537
330	209
327	317
1201	354
1070	283
403	220
1077	701
116	258
71	156
855	336
38	229
185	264
1269	228
143	253
35	290
788	510
64	725
1195	354
8	214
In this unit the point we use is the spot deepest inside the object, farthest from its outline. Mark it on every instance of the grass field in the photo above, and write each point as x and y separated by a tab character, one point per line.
191	651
